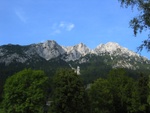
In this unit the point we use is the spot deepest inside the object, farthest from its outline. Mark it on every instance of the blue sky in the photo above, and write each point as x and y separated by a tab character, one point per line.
68	22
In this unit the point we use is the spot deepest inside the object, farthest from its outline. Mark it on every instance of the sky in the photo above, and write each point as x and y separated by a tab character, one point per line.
68	22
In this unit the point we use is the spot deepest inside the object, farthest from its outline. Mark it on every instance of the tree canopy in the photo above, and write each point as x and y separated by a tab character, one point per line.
69	93
100	96
25	92
117	93
142	21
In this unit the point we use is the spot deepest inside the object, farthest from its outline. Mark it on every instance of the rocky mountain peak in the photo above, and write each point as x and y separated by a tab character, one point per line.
75	52
82	48
49	49
113	48
81	45
112	45
108	47
50	43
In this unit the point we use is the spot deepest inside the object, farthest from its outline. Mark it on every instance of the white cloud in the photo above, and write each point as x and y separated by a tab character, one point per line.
21	15
61	27
69	27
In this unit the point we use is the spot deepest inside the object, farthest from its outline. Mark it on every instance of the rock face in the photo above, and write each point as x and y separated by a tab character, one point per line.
75	52
113	49
50	49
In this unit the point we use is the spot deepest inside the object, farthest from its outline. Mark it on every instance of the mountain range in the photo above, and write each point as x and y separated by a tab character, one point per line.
50	56
51	49
111	54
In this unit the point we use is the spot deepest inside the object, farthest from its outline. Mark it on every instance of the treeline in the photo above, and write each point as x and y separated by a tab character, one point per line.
31	91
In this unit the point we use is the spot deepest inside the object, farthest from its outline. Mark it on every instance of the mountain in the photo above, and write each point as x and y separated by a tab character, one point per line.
51	49
49	56
113	54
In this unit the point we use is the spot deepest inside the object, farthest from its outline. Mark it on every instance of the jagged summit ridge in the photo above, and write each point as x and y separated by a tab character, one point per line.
108	47
51	49
81	48
75	52
113	48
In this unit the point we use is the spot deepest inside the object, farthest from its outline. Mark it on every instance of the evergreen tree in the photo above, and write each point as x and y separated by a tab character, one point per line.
69	93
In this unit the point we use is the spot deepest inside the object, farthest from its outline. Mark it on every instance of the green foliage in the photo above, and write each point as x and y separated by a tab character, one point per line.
124	90
148	99
38	63
69	93
116	94
100	96
25	92
142	21
143	91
